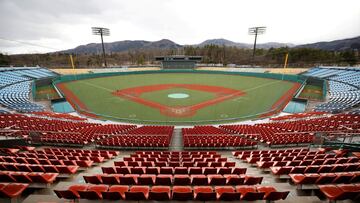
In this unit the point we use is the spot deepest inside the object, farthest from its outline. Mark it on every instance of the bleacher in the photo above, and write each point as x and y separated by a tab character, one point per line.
176	175
15	87
334	174
184	176
27	167
58	132
200	137
344	85
142	137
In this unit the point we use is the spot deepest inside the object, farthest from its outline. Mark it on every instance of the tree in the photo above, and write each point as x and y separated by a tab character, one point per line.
349	57
4	60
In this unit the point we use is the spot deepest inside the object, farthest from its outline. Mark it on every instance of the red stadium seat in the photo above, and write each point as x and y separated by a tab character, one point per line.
93	192
72	192
333	192
137	193
128	179
227	193
182	193
160	193
234	179
271	194
163	179
216	180
250	180
249	193
12	190
116	192
93	179
182	180
199	179
110	179
146	179
46	178
204	193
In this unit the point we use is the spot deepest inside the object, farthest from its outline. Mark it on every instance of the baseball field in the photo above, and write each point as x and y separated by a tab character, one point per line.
178	98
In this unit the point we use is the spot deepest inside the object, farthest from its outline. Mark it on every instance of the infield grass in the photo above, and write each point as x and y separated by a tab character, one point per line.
260	95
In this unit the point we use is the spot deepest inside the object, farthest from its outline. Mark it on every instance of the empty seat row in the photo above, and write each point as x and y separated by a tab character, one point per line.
144	136
289	156
285	170
81	151
174	153
305	115
160	163
280	151
12	190
302	160
98	158
59	115
17	97
60	132
27	177
181	193
325	178
179	179
290	131
173	170
173	156
341	191
323	163
39	168
195	158
58	161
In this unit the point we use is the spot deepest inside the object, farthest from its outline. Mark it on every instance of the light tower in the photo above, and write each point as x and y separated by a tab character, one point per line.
102	32
256	31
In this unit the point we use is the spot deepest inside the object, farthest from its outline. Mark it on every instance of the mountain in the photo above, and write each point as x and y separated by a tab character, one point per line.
336	45
222	42
125	45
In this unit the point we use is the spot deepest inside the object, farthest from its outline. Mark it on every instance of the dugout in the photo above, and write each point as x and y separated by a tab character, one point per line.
178	62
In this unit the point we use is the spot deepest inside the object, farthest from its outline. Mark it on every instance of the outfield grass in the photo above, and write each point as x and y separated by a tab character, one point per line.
260	95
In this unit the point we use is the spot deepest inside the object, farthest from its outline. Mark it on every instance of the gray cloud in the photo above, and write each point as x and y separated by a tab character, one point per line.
64	24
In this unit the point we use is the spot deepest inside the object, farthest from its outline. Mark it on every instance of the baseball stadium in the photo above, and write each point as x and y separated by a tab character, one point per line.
180	97
187	133
179	101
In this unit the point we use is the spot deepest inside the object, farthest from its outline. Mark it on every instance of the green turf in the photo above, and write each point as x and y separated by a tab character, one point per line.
260	95
161	97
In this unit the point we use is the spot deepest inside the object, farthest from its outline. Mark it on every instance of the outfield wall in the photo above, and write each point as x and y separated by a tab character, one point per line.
292	78
69	78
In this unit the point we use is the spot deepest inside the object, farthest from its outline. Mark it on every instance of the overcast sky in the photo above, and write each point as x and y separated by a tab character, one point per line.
65	24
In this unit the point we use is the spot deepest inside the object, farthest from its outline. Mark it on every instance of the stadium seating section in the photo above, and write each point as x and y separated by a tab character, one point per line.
103	161
210	137
336	175
344	84
286	131
15	87
145	136
26	166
